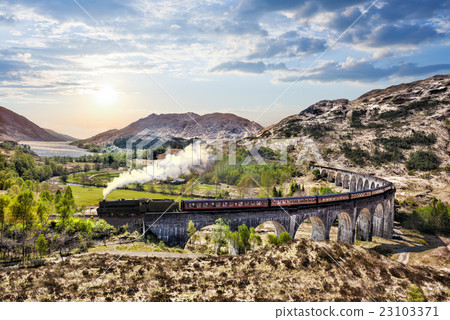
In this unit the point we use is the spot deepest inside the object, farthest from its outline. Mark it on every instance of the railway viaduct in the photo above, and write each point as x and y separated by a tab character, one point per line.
360	218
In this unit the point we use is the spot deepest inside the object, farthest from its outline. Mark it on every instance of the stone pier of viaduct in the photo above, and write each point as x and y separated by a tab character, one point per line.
360	219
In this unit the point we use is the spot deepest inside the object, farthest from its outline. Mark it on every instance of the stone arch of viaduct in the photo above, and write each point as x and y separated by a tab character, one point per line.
361	218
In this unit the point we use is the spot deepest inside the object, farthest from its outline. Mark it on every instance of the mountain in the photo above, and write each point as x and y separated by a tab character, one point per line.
379	132
18	128
63	137
184	125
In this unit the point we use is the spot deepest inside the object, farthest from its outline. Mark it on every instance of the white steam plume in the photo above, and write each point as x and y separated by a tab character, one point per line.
172	166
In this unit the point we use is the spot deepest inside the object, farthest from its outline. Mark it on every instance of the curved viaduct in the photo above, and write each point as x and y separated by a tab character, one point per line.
360	218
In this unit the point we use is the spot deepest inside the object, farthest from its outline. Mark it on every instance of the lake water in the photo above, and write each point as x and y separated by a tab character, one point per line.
51	148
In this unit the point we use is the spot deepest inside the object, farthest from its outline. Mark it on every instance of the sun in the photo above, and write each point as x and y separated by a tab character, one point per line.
106	96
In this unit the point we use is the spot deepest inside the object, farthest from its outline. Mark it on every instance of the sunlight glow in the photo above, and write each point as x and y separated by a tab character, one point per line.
106	96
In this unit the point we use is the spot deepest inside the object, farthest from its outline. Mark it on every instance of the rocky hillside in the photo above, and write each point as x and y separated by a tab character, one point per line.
63	137
208	126
298	271
15	127
379	132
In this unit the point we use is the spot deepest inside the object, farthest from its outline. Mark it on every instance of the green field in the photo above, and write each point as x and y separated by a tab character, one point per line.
101	178
90	196
93	177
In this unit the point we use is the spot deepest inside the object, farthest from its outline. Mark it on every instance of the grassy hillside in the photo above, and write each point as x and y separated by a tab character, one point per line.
401	133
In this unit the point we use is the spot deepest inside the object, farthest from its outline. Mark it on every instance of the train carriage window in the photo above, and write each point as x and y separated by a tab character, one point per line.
240	204
225	204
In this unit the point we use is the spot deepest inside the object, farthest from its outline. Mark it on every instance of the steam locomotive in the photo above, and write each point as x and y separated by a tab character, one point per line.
141	206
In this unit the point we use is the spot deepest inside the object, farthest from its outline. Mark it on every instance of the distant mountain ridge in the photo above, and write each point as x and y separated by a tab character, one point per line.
63	137
184	125
15	127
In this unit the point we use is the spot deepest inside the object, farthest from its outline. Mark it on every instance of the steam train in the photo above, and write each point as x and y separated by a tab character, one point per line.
253	203
141	206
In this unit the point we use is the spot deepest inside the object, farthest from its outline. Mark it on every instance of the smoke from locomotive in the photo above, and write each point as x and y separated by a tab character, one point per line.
172	166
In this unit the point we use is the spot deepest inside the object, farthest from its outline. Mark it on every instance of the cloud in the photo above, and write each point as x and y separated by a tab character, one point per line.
389	35
288	45
308	7
7	19
248	67
64	10
12	66
365	71
395	10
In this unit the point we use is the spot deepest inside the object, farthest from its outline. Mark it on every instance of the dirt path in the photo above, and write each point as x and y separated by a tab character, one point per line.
175	255
403	257
404	252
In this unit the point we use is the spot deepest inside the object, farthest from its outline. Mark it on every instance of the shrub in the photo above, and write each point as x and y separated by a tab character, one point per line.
101	229
355	153
415	294
284	238
355	119
272	238
317	131
316	173
41	245
422	160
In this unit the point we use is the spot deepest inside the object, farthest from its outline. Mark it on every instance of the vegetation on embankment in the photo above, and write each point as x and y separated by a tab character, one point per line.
434	218
298	271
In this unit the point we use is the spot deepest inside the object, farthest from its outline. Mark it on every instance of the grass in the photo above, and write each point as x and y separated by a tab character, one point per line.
92	177
137	247
298	271
90	196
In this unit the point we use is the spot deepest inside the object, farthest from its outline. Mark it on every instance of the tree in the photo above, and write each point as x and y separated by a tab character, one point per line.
22	207
255	239
22	210
234	243
216	181
244	237
274	192
220	234
46	196
267	179
191	230
245	185
65	212
68	195
41	245
190	186
293	187
4	203
42	211
58	196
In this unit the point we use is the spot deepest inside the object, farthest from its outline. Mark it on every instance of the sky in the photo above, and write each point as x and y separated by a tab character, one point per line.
83	67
